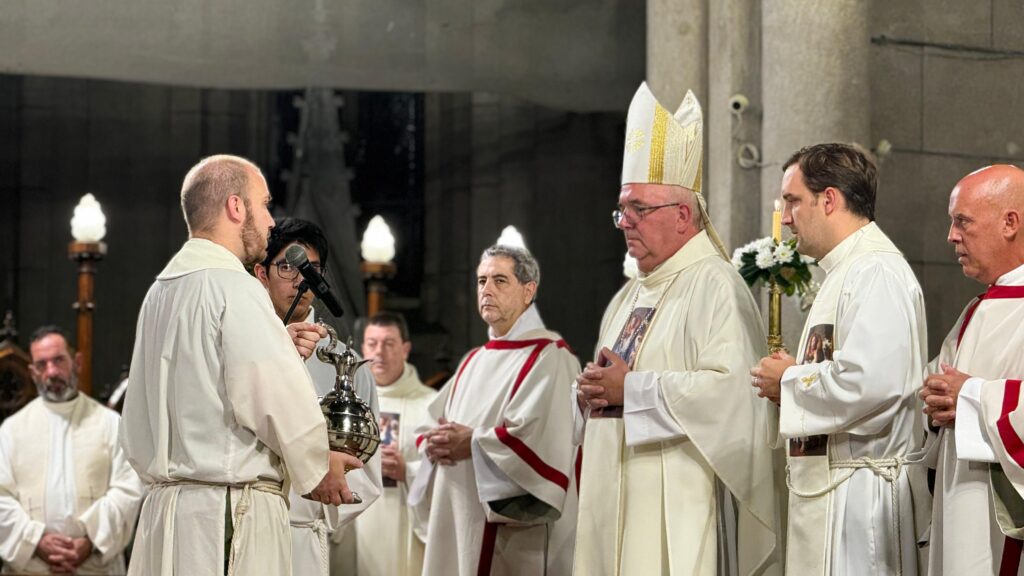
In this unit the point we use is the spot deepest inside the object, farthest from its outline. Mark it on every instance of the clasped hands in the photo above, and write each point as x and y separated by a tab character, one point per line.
448	443
601	383
940	393
63	553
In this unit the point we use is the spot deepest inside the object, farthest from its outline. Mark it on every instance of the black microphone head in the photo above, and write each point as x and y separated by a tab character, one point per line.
296	255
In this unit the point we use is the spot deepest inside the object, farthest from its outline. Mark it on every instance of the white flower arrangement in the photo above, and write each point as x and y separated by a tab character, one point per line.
765	260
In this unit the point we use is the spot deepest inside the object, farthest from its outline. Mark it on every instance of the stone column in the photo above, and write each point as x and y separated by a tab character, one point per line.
677	49
815	89
815	80
734	53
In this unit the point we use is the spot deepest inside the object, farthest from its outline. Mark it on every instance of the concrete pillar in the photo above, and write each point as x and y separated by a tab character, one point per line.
815	89
677	41
815	80
734	53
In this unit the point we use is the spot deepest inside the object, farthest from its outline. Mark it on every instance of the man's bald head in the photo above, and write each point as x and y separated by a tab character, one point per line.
208	185
1001	186
986	210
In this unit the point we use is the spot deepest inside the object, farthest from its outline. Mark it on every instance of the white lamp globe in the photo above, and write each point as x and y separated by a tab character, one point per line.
378	243
88	224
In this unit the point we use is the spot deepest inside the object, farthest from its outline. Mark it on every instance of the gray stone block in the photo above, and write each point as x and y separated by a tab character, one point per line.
896	96
957	22
1008	24
972	106
901	192
946	292
900	19
938	176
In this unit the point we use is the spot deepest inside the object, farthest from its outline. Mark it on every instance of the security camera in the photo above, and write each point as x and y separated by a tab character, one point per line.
738	103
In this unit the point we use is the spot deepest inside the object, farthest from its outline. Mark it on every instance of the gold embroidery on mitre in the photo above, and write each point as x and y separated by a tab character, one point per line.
635	140
697	179
656	164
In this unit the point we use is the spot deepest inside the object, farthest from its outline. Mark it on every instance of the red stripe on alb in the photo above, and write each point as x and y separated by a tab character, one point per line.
531	458
419	440
514	344
993	293
579	468
967	319
462	369
1010	562
483	567
530	361
1011	441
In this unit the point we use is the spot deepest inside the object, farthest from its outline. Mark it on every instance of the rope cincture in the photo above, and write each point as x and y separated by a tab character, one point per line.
319	529
889	469
244	503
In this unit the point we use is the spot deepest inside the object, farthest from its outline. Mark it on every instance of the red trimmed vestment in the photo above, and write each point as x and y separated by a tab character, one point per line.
977	529
511	508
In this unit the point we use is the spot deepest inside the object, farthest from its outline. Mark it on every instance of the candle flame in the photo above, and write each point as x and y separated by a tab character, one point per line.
778	205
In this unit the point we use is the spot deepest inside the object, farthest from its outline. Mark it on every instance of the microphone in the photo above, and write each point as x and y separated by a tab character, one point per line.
295	255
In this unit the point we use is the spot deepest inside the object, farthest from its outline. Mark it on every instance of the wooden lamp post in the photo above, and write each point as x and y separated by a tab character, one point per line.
88	226
378	249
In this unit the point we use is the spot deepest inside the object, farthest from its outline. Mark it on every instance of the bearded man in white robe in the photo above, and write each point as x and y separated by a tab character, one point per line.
313	522
850	412
220	411
972	393
68	498
499	446
677	475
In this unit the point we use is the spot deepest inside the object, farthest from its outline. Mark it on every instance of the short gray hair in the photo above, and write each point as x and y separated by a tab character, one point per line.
526	268
208	184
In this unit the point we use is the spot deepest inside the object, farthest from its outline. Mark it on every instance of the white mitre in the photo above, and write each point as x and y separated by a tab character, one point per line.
664	148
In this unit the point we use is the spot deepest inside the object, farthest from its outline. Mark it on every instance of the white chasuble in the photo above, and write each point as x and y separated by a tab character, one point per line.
390	535
648	502
313	523
510	509
850	411
219	412
62	470
977	512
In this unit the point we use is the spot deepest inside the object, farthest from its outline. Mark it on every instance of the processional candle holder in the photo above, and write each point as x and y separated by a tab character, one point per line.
775	343
351	424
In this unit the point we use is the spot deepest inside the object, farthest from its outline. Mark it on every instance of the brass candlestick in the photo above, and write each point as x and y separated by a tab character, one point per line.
88	255
774	317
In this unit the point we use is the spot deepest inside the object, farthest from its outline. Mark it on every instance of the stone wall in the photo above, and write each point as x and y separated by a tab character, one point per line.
946	92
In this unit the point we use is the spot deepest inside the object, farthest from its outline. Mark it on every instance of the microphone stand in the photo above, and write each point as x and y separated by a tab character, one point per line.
303	287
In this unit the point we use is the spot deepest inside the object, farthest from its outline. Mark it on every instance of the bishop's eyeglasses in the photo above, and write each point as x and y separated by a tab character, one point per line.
286	271
634	214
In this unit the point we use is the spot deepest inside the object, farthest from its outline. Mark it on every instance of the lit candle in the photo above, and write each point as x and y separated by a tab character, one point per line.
777	222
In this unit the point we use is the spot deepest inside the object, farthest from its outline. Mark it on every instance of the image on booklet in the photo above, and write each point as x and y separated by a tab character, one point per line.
819	344
626	347
809	446
817	349
389	427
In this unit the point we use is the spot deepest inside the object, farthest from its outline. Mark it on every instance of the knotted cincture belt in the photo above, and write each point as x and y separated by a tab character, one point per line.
266	486
889	469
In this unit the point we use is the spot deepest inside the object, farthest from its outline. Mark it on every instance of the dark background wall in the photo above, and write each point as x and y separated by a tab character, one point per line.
130	145
449	171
